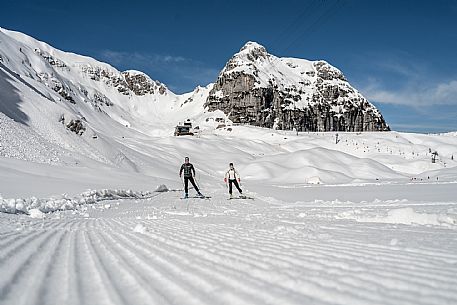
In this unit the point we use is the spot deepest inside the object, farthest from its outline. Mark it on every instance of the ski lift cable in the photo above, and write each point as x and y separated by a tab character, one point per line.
335	7
307	11
330	11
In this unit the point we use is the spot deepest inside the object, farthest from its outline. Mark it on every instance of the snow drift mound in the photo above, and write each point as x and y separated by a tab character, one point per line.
318	165
34	206
406	216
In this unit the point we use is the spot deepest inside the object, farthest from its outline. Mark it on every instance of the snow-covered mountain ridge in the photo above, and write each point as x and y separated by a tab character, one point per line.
254	87
79	79
44	90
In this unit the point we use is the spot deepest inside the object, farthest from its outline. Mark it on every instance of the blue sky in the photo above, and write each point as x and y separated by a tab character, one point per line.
402	55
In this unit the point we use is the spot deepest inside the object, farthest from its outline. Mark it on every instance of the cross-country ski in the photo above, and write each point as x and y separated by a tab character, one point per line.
240	197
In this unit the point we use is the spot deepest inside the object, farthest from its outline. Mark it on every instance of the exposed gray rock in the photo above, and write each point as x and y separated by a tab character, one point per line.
140	84
76	126
50	59
260	89
100	99
128	82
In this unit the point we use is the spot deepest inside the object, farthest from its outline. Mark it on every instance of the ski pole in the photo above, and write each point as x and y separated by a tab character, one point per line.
183	185
196	182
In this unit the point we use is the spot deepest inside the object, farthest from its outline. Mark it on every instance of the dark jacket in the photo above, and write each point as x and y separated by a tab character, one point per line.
188	169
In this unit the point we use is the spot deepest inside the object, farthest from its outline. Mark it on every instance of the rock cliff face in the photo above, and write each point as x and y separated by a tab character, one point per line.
127	83
260	89
140	84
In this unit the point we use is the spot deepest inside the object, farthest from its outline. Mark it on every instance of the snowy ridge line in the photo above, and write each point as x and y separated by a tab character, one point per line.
47	205
362	184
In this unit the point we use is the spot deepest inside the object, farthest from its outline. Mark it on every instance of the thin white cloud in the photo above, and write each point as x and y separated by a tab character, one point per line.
421	127
402	68
141	59
414	95
402	80
179	73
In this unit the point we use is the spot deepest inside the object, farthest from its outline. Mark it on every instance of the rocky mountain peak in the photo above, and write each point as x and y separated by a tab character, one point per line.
141	84
249	56
261	89
328	72
253	51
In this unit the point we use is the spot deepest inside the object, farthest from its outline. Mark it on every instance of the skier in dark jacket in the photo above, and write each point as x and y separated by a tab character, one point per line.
189	174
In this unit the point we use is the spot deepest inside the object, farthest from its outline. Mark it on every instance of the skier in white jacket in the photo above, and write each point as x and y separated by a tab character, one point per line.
233	177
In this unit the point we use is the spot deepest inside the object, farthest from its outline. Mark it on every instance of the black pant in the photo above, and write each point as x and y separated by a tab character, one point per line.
186	184
236	184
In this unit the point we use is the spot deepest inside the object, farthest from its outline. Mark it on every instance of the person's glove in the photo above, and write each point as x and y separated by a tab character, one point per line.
239	180
180	175
225	180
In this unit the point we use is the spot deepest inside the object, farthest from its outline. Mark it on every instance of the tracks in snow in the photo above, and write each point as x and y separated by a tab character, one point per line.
221	253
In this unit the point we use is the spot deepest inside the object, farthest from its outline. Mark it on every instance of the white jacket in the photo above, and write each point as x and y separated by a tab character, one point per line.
232	174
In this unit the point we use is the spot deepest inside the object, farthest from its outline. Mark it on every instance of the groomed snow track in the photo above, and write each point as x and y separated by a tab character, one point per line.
170	251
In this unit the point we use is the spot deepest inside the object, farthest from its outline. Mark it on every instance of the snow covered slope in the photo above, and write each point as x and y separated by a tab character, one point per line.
43	89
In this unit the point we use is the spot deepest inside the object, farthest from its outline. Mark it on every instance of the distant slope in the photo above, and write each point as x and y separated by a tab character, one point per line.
43	89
